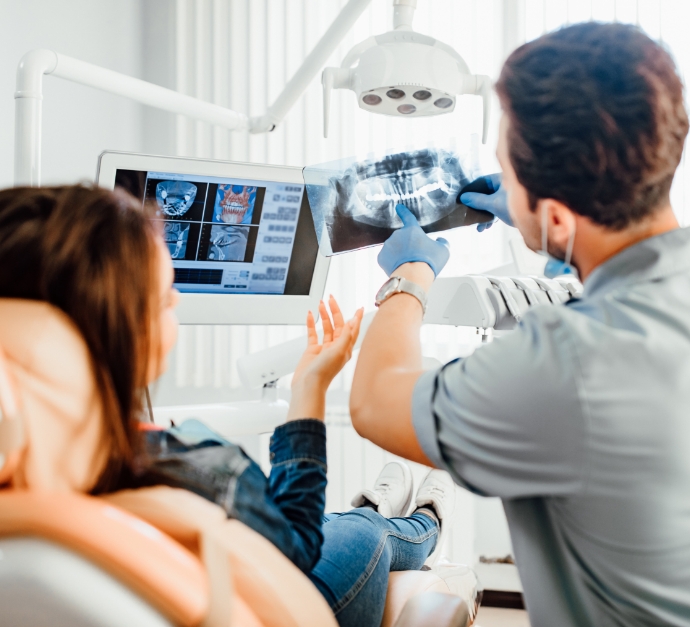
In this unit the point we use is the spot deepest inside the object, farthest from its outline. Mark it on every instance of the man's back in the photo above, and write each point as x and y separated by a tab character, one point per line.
587	441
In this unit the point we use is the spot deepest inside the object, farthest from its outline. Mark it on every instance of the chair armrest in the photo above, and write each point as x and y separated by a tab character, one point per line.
434	609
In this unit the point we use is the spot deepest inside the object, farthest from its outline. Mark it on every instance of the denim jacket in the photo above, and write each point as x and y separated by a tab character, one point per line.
286	508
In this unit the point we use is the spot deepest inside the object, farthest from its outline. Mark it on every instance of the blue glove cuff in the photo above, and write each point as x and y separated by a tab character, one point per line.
413	257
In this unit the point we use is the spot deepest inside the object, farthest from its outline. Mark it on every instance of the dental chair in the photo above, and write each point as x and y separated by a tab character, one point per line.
141	557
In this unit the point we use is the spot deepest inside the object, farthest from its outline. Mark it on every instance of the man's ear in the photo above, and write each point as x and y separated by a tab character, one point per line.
560	221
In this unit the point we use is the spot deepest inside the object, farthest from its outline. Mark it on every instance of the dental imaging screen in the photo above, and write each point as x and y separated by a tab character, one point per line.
353	202
231	236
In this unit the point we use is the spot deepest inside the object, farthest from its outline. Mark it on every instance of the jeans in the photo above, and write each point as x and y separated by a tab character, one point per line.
347	556
360	548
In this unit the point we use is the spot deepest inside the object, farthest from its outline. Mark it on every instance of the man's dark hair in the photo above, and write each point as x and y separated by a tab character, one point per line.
597	120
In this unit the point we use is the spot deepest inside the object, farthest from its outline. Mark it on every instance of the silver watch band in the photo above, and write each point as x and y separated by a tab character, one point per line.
404	286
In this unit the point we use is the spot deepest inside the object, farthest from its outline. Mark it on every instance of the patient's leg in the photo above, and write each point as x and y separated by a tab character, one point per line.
360	548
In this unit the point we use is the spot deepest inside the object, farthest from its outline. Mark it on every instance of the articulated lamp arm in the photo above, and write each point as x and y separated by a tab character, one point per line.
37	63
29	96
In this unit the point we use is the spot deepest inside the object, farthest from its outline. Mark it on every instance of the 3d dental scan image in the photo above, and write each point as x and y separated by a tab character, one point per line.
234	204
177	200
175	197
228	243
176	235
353	202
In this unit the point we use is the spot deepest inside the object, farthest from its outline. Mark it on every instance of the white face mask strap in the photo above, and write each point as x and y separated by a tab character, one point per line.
544	237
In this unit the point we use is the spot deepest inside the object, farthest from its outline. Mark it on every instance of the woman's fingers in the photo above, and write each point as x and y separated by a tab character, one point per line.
312	335
338	320
327	324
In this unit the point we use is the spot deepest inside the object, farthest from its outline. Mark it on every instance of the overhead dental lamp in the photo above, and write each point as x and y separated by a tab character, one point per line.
406	74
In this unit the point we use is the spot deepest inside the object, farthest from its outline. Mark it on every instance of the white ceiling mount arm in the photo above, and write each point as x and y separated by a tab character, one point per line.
310	67
403	13
28	106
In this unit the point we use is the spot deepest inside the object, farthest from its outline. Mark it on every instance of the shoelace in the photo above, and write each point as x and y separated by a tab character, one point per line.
436	490
383	488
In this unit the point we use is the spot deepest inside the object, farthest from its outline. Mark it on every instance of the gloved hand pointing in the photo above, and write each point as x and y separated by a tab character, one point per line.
496	203
411	243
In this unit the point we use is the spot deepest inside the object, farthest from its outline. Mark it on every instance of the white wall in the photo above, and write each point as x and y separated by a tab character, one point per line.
78	122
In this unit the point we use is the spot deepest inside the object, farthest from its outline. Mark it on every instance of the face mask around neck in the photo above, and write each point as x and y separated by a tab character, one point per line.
554	266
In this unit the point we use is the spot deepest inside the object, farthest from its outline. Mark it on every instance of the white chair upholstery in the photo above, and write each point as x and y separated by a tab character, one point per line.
43	584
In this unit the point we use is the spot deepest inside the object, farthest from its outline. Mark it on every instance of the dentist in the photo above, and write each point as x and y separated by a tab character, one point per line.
579	419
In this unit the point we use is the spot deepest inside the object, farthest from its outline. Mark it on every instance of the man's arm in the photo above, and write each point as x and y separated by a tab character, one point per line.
389	364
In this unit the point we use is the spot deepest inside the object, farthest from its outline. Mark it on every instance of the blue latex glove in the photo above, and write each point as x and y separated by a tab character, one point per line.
411	243
496	203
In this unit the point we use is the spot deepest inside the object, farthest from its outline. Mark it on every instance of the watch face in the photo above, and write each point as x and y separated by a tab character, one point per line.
387	289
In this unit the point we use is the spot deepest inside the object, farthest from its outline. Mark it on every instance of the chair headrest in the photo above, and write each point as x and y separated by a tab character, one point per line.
145	559
49	363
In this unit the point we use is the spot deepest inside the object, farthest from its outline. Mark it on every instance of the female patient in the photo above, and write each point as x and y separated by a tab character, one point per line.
102	266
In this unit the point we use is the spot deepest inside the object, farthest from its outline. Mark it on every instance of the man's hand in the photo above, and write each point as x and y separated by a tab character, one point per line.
321	362
411	243
496	202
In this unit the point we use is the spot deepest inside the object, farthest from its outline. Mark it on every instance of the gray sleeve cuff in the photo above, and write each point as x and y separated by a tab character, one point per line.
423	419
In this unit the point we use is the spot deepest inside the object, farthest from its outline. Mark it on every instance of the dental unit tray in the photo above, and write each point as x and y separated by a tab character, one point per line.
494	302
353	202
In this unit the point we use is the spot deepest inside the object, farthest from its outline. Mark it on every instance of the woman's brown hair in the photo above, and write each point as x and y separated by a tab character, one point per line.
91	253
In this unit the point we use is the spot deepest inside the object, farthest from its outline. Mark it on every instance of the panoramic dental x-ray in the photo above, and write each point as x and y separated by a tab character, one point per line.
353	202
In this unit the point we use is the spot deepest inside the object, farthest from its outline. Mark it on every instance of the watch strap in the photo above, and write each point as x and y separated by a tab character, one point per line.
407	287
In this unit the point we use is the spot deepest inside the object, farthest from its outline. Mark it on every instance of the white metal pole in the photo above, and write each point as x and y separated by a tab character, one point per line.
403	12
28	115
147	93
310	68
29	95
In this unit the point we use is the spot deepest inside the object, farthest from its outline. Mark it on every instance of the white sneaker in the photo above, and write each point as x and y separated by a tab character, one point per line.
438	490
392	492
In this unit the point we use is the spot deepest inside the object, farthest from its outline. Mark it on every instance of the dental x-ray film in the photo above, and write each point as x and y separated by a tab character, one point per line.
353	202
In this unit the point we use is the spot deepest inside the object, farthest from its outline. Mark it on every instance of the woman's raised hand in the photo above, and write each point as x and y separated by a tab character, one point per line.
322	361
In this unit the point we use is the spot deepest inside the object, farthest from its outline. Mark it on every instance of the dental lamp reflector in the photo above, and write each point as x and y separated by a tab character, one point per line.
405	74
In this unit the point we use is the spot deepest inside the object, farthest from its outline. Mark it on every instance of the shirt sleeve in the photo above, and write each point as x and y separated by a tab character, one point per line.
507	421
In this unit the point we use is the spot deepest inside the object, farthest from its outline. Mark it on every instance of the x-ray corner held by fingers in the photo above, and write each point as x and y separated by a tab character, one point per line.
353	202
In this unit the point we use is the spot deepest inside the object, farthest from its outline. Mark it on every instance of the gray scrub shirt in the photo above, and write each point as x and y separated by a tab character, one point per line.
580	421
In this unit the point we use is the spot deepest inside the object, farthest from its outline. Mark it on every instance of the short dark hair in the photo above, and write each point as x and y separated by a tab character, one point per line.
91	253
597	120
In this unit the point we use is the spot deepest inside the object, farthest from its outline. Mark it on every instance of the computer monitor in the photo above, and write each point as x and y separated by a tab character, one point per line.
241	235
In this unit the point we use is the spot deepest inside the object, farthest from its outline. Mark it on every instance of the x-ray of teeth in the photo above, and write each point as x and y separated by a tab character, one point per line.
175	197
427	182
234	204
353	202
228	243
176	235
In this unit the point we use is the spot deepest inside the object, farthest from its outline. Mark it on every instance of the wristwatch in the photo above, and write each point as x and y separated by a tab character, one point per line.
398	285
